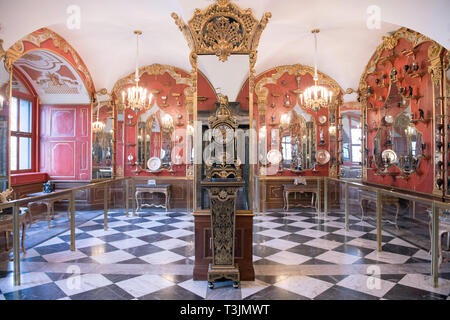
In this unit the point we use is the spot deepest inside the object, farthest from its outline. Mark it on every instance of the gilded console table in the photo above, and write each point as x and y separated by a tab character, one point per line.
222	195
300	188
152	188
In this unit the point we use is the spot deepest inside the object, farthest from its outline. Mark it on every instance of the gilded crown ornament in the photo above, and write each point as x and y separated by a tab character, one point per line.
222	29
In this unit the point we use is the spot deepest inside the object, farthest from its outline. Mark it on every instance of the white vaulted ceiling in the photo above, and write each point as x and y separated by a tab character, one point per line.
106	41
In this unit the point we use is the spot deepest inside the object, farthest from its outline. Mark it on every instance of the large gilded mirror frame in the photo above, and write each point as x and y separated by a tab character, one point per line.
143	124
103	143
262	94
222	29
435	56
447	117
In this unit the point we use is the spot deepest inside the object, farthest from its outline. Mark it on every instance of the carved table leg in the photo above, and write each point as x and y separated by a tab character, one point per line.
137	200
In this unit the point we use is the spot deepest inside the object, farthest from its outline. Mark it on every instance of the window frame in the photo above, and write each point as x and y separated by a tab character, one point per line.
32	98
351	119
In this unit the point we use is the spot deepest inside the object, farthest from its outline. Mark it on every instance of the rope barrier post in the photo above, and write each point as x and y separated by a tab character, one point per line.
16	243
72	221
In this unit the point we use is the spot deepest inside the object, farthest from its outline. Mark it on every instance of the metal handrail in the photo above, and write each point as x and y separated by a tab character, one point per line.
13	203
435	205
71	196
393	193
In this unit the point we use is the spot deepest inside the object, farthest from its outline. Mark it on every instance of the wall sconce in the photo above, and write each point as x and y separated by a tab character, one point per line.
410	130
167	121
190	130
285	120
262	132
332	130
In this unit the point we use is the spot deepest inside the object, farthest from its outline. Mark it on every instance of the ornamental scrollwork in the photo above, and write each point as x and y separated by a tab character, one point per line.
222	29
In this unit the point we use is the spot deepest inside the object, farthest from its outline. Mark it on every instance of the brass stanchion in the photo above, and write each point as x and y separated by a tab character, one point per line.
105	204
127	204
379	222
319	197
325	196
435	245
347	207
133	196
72	221
16	243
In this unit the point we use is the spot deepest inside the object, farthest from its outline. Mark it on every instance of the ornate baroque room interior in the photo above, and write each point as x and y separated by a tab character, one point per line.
224	150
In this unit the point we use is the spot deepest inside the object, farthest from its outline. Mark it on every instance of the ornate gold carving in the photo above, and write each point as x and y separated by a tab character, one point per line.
223	207
17	50
185	30
389	43
222	29
435	68
221	168
2	51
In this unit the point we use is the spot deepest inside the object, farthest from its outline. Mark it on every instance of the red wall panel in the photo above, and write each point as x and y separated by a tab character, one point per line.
65	142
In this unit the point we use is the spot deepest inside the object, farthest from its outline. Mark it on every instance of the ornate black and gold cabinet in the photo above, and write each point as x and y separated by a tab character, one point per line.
222	195
223	180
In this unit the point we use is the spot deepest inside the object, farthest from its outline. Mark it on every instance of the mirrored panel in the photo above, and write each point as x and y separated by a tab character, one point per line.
154	132
227	78
447	90
102	142
298	140
4	110
407	142
398	142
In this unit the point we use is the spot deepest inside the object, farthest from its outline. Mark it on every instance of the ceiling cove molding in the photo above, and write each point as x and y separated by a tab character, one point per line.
389	43
36	39
222	29
262	92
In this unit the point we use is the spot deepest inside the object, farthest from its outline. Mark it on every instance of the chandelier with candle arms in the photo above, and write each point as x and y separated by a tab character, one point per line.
135	98
316	97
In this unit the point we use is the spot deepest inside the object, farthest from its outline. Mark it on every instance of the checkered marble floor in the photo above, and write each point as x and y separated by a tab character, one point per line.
151	256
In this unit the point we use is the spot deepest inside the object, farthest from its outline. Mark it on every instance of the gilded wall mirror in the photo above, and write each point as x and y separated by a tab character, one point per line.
407	142
398	134
447	94
102	142
154	133
298	141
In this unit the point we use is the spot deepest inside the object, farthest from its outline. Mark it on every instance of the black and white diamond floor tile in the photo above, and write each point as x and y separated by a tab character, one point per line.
280	239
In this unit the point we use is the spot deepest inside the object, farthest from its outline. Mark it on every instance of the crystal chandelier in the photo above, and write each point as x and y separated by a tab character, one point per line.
98	126
316	97
136	97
